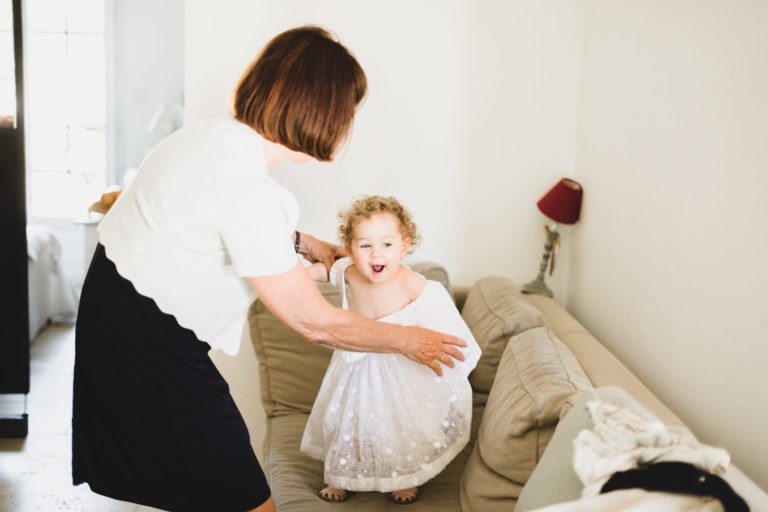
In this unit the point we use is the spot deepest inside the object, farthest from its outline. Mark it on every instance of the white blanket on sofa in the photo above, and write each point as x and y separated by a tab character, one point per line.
622	440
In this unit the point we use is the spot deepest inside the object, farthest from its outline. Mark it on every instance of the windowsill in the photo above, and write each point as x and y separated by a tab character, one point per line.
91	218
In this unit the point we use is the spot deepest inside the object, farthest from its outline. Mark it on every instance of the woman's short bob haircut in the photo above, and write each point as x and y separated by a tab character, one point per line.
302	91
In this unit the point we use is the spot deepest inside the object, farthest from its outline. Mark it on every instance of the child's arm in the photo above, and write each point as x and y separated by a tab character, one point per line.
318	272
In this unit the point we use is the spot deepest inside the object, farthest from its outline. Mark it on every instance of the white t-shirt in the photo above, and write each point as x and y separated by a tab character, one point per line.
201	214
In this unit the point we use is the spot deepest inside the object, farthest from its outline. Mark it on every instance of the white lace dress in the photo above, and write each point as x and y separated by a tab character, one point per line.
382	422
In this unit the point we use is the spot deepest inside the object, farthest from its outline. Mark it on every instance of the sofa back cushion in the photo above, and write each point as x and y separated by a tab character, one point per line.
494	310
291	368
537	374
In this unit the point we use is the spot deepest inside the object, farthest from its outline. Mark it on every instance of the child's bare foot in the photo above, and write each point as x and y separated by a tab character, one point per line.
404	496
334	495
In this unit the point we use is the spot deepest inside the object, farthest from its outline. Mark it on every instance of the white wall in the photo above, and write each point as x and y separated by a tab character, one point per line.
470	117
668	265
149	71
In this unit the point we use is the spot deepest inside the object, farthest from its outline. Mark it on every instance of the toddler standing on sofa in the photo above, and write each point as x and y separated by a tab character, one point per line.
382	422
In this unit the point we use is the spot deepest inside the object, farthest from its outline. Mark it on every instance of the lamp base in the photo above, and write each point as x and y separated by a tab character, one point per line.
537	287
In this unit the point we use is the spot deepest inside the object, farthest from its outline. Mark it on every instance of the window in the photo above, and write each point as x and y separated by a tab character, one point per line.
66	114
7	77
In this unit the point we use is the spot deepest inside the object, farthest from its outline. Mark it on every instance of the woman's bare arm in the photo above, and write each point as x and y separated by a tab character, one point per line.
295	299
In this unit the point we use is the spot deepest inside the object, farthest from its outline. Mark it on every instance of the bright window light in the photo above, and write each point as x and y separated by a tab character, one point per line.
65	58
7	80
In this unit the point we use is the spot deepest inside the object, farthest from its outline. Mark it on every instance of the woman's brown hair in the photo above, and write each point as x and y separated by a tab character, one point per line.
302	92
368	206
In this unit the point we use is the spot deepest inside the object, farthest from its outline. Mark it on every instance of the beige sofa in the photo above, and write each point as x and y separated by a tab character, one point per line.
537	361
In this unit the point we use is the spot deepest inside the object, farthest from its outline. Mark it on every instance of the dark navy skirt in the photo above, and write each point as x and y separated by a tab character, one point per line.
153	420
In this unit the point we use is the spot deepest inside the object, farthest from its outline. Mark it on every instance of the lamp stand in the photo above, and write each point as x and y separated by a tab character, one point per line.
538	286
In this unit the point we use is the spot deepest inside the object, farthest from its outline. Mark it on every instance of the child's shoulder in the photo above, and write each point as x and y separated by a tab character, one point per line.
414	283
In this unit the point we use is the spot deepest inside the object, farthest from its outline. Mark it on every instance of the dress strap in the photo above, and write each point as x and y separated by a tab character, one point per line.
336	277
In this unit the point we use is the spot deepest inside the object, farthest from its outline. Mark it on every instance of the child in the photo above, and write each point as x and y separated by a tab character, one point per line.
382	422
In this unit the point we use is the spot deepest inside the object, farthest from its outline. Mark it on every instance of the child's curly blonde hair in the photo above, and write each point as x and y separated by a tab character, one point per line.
368	206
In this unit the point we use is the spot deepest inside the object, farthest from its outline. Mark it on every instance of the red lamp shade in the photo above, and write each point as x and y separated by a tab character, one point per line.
562	203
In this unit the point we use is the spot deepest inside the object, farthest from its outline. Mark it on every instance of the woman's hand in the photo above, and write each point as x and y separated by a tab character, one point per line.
318	251
433	349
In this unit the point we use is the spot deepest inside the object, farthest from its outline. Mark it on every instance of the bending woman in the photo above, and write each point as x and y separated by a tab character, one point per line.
201	231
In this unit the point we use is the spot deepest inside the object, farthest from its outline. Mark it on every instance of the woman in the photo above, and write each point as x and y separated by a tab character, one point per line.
200	232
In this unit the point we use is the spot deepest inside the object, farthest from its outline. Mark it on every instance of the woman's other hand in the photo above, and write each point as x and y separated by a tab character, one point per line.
433	348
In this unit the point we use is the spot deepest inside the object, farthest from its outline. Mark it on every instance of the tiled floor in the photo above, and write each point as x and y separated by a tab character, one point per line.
35	471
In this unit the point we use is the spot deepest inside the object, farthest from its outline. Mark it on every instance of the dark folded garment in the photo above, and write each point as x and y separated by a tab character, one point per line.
678	477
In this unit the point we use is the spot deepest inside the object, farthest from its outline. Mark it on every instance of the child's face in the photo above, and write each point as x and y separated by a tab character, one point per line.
377	247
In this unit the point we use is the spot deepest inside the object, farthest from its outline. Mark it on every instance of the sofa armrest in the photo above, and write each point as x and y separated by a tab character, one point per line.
600	365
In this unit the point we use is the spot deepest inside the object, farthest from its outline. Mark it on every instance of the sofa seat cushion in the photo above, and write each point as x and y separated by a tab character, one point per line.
537	374
295	478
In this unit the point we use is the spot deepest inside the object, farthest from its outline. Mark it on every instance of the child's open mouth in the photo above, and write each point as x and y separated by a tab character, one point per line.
377	268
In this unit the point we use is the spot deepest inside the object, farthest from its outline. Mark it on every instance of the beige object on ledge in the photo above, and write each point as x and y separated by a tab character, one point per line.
105	203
